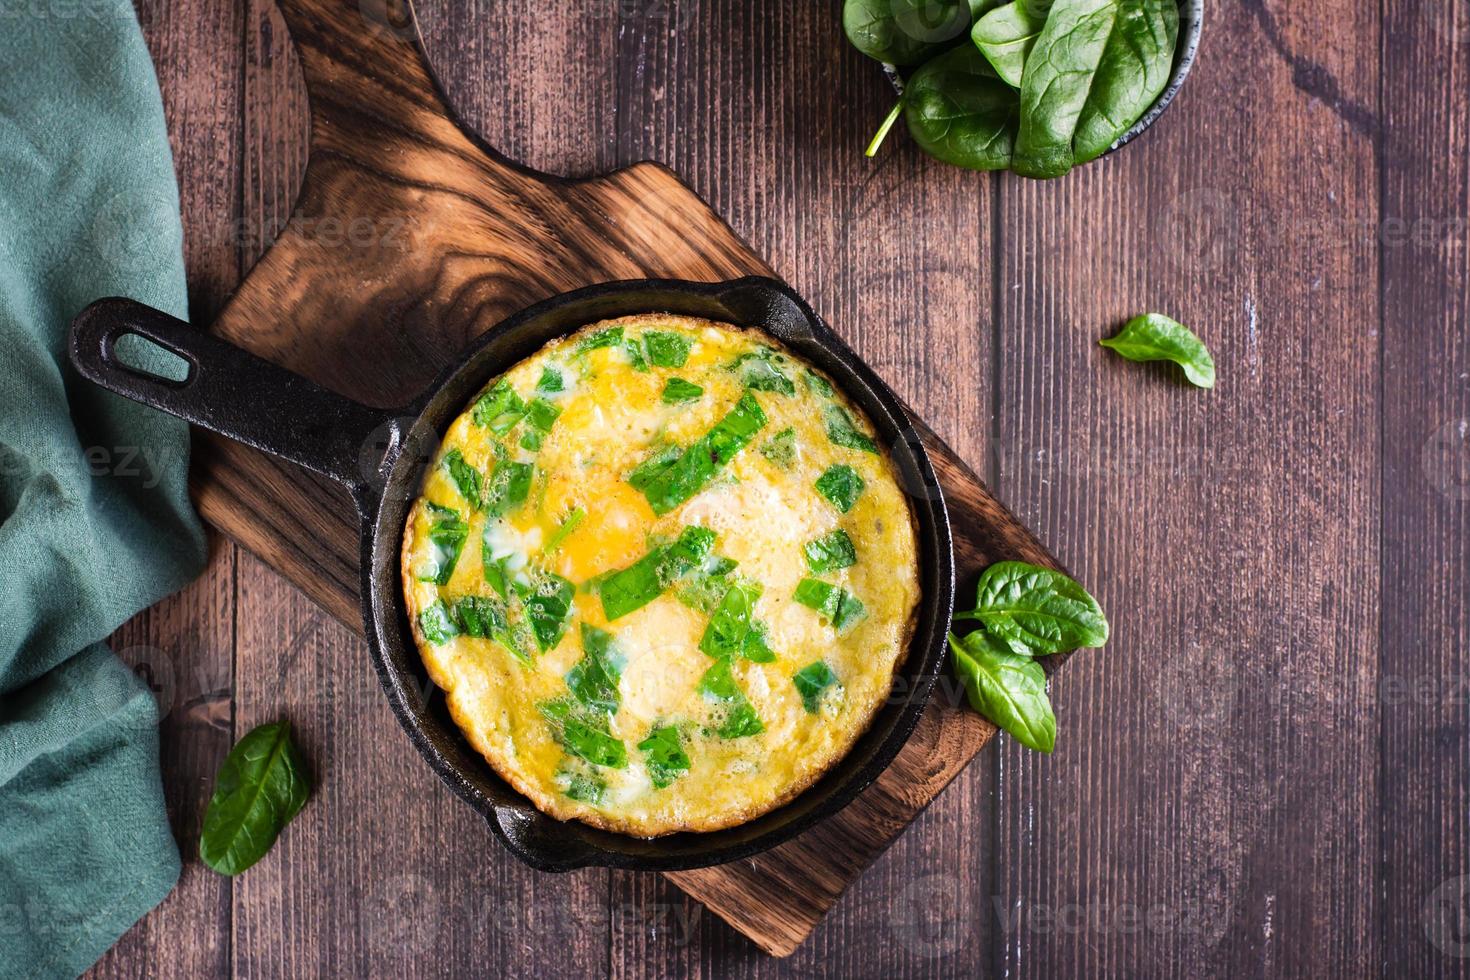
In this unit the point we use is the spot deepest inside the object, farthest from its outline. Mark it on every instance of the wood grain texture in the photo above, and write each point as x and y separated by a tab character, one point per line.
1424	677
1213	811
1268	770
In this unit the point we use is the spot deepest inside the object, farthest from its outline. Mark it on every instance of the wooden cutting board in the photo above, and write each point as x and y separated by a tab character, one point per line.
410	238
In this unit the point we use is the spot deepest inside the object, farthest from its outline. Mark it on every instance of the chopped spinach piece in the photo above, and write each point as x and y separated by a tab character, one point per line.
570	523
631	588
841	485
780	449
817	383
643	475
509	487
542	414
480	617
582	786
447	536
551	381
811	681
685	476
640	583
727	630
635	355
548	604
757	649
704	587
738	717
830	552
437	624
838	606
606	337
584	734
843	431
664	755
499	409
685	554
668	350
594	678
466	478
760	370
483	617
677	391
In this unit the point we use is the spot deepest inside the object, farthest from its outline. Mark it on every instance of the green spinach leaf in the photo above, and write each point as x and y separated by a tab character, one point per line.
606	337
841	485
1036	610
261	787
1006	688
548	603
735	718
761	371
664	755
678	391
499	409
583	733
843	431
634	587
836	605
593	680
811	682
830	552
551	381
960	111
907	32
1094	70
510	484
1006	34
447	535
729	626
437	624
1155	337
686	475
668	350
466	478
780	449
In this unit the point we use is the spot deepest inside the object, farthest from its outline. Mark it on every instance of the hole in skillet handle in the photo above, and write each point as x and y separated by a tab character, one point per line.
1191	23
539	840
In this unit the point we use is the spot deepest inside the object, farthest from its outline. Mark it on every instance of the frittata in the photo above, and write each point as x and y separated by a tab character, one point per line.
663	572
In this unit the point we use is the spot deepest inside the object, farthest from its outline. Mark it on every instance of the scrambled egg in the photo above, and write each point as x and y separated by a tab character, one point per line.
664	574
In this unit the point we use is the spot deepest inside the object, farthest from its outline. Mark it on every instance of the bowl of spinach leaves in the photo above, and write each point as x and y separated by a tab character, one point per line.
1032	86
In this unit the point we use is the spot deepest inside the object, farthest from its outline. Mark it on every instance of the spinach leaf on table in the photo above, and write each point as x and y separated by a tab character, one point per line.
261	787
1094	70
1036	610
1006	35
960	111
1155	337
1006	688
908	32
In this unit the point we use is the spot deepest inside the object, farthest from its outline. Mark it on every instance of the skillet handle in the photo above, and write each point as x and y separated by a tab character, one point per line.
232	392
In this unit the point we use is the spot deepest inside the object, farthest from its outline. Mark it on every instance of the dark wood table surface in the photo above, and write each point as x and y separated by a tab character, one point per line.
1267	772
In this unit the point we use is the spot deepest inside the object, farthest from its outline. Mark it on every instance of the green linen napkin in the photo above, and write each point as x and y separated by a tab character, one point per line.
95	522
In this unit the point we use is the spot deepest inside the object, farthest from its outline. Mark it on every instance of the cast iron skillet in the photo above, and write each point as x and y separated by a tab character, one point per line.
380	456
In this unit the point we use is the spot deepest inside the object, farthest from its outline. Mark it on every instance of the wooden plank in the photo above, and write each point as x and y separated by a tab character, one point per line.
1211	810
185	644
1425	684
